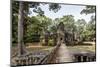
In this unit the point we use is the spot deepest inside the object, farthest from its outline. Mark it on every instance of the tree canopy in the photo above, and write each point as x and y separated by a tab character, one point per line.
39	24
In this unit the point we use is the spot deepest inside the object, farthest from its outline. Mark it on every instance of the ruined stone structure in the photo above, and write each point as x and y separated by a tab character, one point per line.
63	35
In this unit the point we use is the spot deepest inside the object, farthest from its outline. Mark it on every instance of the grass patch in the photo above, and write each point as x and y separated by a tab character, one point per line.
39	48
83	48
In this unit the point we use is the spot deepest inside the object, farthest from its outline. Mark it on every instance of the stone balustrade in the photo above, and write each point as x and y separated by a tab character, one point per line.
35	58
87	57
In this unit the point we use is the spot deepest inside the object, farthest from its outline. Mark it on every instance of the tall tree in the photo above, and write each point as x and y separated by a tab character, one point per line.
91	27
20	29
81	26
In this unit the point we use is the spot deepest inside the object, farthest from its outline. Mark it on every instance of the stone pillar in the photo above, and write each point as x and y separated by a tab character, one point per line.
82	58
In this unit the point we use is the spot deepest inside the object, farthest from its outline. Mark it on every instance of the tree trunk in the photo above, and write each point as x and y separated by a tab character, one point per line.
20	29
46	39
73	36
55	40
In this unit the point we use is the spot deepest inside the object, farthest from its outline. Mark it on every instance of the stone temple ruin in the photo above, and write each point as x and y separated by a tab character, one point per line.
63	35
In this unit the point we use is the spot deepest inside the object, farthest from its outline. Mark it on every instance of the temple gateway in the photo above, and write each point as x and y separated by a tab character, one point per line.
63	35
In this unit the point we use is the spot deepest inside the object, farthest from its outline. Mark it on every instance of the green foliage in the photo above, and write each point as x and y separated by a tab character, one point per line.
51	42
33	38
39	11
43	43
89	10
54	6
69	23
86	30
14	28
36	26
90	32
15	7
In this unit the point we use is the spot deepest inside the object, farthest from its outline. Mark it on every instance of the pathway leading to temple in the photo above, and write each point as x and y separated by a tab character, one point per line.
63	55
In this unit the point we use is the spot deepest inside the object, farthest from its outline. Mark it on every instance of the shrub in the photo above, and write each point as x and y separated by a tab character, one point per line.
51	42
